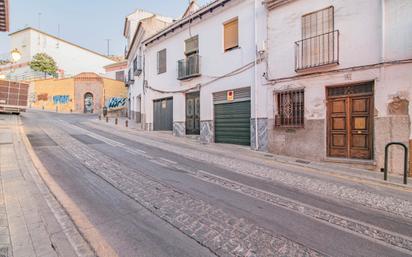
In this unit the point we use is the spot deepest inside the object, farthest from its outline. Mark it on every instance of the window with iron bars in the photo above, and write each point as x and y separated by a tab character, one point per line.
320	41
290	109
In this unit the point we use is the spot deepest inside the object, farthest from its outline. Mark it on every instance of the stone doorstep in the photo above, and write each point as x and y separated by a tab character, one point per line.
327	166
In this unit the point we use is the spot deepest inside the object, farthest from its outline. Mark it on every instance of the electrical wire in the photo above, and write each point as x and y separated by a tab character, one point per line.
200	85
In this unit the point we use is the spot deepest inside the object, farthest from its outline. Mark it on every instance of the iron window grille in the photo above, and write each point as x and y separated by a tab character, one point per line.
320	41
290	109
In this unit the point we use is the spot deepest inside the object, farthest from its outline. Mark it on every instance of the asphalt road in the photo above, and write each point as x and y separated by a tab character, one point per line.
144	200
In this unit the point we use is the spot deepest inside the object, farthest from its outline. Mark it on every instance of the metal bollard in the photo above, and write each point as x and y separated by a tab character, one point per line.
107	119
405	161
115	121
126	123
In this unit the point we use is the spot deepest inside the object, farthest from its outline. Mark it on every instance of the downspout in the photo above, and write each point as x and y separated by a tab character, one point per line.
256	78
143	98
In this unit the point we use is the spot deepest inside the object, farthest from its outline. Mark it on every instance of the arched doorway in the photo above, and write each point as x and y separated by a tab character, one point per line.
88	103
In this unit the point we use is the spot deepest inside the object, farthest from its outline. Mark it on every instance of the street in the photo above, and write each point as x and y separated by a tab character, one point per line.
143	195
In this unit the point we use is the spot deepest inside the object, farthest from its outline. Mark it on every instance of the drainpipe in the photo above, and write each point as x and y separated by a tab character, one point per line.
256	78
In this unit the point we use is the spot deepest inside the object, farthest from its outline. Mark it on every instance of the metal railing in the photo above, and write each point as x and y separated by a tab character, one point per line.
137	65
189	67
317	51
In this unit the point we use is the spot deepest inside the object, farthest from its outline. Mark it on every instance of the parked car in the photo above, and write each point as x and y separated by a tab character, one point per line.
13	96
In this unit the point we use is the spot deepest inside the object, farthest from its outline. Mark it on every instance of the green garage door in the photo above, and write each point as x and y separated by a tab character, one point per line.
232	123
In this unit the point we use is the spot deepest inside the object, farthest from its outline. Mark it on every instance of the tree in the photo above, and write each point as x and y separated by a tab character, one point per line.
44	63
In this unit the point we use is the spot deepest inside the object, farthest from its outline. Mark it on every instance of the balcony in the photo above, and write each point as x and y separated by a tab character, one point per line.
317	51
189	67
129	80
137	66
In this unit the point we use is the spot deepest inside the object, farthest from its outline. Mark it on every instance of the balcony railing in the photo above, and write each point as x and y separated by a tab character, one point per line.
189	67
317	51
129	80
137	66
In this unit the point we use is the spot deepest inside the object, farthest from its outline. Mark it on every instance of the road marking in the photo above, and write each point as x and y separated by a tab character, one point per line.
136	151
159	163
167	160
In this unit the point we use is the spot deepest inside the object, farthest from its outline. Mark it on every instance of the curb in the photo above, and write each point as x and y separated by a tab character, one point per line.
313	167
76	238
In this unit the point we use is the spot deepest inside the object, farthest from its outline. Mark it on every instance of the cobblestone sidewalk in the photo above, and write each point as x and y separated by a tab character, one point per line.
375	199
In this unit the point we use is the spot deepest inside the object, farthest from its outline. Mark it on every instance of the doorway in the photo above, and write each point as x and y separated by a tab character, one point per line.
193	113
88	103
350	121
163	114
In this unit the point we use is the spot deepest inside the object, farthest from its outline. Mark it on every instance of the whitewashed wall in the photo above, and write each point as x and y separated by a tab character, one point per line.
371	32
69	58
214	61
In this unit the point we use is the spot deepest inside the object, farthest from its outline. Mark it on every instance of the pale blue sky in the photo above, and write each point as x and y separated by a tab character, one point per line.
85	22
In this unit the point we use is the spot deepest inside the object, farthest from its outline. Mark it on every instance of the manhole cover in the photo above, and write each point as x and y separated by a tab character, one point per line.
39	140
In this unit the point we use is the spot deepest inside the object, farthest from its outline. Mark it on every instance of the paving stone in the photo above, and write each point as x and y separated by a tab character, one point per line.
220	224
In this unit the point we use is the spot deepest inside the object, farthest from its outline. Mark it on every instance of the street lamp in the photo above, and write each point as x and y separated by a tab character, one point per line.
15	55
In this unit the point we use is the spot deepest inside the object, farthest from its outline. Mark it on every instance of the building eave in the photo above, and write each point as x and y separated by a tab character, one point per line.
62	40
272	4
209	8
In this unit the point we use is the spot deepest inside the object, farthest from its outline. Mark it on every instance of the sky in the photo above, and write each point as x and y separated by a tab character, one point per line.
87	23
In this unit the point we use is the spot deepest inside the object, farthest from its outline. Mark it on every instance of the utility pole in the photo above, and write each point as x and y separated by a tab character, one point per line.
108	46
39	20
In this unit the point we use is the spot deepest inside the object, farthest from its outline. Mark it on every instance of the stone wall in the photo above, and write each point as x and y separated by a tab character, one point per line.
207	132
262	134
308	142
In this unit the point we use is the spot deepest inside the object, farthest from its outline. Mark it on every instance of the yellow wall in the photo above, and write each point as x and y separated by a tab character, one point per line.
114	88
59	93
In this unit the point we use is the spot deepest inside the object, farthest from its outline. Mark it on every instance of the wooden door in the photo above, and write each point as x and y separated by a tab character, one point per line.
350	121
193	113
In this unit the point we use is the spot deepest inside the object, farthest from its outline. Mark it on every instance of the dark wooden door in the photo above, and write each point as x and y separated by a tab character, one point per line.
350	121
193	113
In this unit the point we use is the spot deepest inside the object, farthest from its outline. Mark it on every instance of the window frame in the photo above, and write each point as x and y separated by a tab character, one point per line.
315	13
194	51
297	119
159	71
122	76
227	49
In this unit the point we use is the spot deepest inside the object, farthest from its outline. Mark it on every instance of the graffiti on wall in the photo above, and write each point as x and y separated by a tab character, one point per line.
61	99
42	97
116	102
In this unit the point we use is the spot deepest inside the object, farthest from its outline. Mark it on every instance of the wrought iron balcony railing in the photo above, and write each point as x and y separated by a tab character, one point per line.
189	67
317	51
137	66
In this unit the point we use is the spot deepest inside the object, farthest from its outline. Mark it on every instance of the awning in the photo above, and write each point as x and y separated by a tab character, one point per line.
4	15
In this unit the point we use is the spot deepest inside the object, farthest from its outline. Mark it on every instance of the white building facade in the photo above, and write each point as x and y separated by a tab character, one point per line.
138	26
199	73
339	80
71	59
